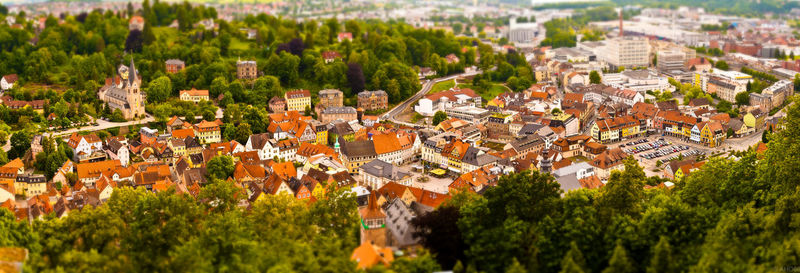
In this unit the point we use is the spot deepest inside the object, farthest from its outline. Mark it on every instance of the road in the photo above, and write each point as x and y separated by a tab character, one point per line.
392	114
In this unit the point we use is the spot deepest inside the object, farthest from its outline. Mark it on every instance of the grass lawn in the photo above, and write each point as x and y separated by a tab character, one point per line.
487	95
166	34
493	145
441	86
237	44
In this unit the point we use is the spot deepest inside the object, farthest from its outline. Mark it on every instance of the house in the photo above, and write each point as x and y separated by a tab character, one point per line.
247	70
330	98
425	72
86	148
331	56
609	161
355	153
208	132
451	58
342	36
298	100
136	23
373	100
569	177
377	173
399	217
117	151
7	82
698	64
755	118
194	95
333	113
90	172
277	105
174	66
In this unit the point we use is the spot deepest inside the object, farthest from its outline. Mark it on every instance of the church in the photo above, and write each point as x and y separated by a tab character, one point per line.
122	92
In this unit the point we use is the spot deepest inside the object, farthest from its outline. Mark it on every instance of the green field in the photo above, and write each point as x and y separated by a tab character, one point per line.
441	86
489	94
166	34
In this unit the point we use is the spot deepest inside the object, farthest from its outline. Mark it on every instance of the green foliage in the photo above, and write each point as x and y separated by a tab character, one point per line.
594	77
439	117
159	90
759	75
721	64
620	262
220	167
743	98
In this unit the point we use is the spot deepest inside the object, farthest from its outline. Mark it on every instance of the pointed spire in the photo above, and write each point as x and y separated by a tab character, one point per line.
132	72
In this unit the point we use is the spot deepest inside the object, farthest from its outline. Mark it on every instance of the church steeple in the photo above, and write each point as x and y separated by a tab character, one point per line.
132	73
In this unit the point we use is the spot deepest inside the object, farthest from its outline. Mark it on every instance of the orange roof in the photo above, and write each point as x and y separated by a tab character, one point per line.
182	133
368	255
93	169
16	164
207	126
538	95
137	19
372	210
284	170
194	92
386	143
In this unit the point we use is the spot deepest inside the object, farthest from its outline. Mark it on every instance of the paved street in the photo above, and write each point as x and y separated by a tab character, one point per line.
392	114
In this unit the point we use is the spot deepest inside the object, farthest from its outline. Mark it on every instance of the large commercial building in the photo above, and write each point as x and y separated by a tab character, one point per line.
522	32
671	60
627	51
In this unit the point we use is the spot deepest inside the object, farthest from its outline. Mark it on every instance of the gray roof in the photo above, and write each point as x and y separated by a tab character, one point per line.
174	61
530	128
339	110
330	92
569	182
572	169
475	158
369	93
380	168
358	148
398	220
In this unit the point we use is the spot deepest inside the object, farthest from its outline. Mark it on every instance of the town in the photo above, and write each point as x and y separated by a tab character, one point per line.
405	117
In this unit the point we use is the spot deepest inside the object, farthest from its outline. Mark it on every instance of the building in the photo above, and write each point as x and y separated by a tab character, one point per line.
522	32
174	66
277	105
330	98
475	115
86	148
298	100
377	173
355	153
373	100
638	80
342	36
671	60
331	56
627	51
7	82
615	129
773	96
246	70
207	132
136	23
724	88
194	95
122	92
608	161
430	104
333	113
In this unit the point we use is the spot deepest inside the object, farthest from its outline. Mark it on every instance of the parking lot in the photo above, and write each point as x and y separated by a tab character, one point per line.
649	150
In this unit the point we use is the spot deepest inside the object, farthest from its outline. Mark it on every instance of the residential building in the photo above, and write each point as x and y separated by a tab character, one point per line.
373	100
377	173
86	148
331	56
670	60
247	70
472	114
608	161
174	66
330	98
118	151
355	153
277	105
298	100
136	23
7	82
755	118
208	132
773	96
616	129
334	113
194	95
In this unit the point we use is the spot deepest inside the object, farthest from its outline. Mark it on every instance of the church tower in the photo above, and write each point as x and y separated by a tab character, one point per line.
134	97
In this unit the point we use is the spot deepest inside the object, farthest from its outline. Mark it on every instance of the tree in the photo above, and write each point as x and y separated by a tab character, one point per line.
516	267
20	142
439	117
355	77
662	261
623	193
574	258
134	41
159	90
438	232
721	64
421	264
743	98
220	167
620	262
556	111
594	77
764	136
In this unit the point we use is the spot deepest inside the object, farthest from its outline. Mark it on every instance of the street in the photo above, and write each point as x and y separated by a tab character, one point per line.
391	115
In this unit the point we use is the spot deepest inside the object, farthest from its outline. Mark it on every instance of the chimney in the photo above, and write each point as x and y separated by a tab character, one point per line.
621	32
